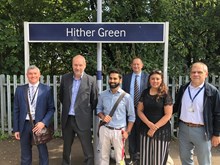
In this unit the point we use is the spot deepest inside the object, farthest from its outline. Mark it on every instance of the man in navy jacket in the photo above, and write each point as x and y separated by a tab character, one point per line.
128	86
198	108
42	108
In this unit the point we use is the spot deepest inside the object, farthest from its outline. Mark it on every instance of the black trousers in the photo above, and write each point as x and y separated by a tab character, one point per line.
134	139
85	138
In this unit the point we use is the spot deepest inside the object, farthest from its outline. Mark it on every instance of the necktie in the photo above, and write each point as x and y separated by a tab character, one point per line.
33	96
32	93
136	91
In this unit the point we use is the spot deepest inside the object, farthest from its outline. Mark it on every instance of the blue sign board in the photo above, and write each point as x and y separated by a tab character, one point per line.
97	32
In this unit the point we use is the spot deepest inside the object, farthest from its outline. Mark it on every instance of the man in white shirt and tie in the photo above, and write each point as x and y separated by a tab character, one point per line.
41	103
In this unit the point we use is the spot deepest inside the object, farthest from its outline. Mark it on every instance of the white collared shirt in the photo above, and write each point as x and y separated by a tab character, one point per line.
34	102
192	111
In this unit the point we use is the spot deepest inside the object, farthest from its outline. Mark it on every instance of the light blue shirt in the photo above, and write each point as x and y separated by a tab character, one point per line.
132	84
75	89
125	108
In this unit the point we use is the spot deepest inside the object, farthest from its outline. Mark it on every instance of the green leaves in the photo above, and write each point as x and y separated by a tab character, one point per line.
193	36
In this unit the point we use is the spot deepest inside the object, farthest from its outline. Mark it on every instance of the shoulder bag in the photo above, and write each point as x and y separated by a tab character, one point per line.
46	133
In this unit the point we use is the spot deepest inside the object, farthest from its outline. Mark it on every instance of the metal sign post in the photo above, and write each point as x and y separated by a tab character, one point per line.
97	32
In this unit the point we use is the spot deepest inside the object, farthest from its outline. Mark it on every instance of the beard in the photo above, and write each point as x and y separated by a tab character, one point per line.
113	85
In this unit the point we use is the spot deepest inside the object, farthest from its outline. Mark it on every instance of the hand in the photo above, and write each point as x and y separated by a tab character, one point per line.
125	134
151	132
107	119
153	126
17	135
215	141
38	127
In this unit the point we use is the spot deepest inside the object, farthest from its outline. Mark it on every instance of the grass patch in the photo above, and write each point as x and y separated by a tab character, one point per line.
4	136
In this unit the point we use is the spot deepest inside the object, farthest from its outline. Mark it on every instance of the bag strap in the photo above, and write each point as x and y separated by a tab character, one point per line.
112	111
29	112
116	104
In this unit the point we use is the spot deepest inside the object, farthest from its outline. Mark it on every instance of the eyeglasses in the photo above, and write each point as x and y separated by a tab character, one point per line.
156	71
198	72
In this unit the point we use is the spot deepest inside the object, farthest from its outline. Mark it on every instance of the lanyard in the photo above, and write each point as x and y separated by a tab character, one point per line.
33	96
192	99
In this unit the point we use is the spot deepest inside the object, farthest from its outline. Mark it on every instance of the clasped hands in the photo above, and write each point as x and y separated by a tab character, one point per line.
153	128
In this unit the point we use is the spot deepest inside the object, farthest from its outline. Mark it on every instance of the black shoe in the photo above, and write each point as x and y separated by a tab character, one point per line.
137	156
131	162
136	162
128	162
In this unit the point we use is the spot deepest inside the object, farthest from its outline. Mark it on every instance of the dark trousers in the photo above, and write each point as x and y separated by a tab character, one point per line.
26	147
85	138
134	139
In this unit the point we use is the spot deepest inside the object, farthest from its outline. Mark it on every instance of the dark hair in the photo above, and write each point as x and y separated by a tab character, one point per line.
163	89
117	71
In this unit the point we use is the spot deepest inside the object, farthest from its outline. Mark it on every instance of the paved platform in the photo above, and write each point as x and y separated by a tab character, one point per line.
10	153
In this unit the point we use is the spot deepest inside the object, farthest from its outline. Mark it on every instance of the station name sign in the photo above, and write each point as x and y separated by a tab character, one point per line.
137	32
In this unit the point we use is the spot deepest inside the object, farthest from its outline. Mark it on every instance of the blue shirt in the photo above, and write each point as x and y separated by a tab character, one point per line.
75	89
125	108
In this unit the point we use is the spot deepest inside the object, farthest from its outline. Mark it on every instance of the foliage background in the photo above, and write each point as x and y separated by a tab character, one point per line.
194	34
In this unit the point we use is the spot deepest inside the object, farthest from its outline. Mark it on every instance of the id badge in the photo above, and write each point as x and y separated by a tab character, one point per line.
32	110
191	109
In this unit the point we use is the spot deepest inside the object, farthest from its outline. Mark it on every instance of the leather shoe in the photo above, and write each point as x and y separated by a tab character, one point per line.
131	162
128	162
137	156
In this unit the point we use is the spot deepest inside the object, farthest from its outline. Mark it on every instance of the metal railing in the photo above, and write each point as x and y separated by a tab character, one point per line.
9	83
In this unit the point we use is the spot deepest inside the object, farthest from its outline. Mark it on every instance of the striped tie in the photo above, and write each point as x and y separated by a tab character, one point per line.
32	93
33	98
136	91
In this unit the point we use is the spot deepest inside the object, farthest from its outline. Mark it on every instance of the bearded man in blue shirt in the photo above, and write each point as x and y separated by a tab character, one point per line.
116	130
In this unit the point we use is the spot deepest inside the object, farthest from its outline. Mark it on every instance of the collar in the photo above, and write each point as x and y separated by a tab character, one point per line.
34	85
118	91
134	74
200	86
80	76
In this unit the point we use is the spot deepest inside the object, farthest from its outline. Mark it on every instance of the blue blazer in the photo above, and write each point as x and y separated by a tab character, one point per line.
126	82
44	106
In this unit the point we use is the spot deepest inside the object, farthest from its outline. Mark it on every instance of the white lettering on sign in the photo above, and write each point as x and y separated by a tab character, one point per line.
73	32
79	32
111	33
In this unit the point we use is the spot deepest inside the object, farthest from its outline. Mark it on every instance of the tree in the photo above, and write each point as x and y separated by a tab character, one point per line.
194	34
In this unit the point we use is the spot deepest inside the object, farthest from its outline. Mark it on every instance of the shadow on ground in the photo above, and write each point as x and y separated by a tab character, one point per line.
10	153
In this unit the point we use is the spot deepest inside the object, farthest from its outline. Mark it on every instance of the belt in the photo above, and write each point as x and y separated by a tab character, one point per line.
112	128
192	124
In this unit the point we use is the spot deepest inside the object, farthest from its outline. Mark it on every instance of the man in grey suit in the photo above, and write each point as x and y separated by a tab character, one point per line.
41	103
128	84
78	95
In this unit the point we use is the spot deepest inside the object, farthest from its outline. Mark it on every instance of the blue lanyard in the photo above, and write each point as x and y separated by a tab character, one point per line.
192	99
